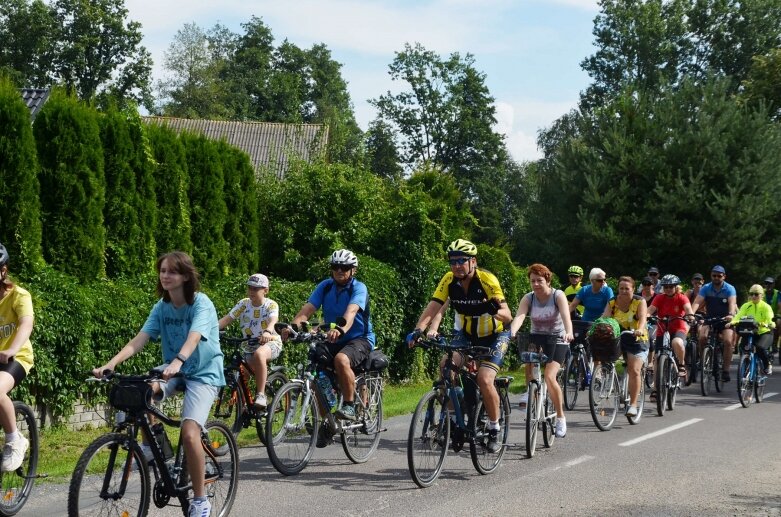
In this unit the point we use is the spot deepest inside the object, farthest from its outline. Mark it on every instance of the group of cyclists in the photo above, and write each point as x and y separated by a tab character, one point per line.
187	323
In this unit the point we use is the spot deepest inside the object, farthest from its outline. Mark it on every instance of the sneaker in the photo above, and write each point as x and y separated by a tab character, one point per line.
322	437
524	399
561	428
769	369
261	401
493	444
13	454
631	411
200	509
346	412
724	376
456	437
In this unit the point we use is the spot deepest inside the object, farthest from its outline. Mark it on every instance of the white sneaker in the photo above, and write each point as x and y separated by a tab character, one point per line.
631	411
561	427
769	370
260	401
200	509
13	454
524	399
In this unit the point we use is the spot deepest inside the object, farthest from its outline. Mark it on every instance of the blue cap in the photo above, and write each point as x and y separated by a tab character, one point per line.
718	269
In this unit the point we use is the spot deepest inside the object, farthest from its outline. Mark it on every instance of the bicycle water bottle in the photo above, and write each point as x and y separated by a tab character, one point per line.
328	390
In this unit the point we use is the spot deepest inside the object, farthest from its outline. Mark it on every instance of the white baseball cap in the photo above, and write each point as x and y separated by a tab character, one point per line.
258	280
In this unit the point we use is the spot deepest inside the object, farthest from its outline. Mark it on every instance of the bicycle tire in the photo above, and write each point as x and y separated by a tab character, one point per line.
88	479
604	397
16	486
572	381
274	383
634	420
759	387
674	384
745	384
532	418
361	442
290	440
661	384
690	361
484	460
428	439
221	456
706	373
548	422
718	362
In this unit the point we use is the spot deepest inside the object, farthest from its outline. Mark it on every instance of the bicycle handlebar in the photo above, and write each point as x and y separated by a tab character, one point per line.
154	375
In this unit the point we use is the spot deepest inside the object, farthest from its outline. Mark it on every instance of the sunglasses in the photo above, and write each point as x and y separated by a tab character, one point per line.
600	280
340	267
717	276
575	276
458	261
755	294
653	274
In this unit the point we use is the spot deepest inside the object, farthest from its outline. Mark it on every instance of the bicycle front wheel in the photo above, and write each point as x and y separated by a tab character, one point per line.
221	455
745	384
718	362
548	421
706	374
274	383
661	383
690	360
532	418
110	478
759	387
674	380
428	439
17	485
483	459
573	377
604	397
291	433
361	438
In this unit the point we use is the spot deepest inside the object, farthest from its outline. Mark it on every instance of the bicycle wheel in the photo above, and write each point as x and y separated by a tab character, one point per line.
361	438
110	478
604	397
221	455
640	400
661	383
428	439
274	383
690	361
532	418
718	362
745	385
548	422
17	485
759	387
290	437
573	376
674	384
230	406
706	372
484	460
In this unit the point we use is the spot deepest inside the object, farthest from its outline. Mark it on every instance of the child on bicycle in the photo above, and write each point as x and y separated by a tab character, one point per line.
186	321
257	316
16	359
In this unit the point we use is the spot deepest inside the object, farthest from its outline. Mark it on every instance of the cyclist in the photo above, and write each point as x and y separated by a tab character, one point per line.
762	313
720	299
481	313
344	299
631	311
257	316
575	274
16	359
653	275
186	321
594	297
691	294
549	314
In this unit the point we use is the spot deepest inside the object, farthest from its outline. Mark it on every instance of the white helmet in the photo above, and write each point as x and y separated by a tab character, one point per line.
344	258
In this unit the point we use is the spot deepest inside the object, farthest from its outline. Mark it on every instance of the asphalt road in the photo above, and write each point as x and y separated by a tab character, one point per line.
707	457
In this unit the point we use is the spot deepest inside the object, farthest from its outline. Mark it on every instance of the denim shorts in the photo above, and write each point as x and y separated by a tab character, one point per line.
498	343
198	398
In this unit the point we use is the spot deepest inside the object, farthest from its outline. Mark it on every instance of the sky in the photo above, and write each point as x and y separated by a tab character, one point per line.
529	50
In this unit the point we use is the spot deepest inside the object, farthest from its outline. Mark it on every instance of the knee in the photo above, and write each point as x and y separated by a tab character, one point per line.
341	362
191	432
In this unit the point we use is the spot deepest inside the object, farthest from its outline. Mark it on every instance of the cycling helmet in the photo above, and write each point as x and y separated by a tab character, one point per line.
344	258
575	270
670	280
3	256
461	247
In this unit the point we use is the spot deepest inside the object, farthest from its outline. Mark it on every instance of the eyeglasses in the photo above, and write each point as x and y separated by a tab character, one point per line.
755	294
458	261
600	280
575	276
717	276
653	274
340	267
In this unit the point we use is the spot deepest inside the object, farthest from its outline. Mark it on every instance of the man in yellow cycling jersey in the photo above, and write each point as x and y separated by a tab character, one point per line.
481	313
575	274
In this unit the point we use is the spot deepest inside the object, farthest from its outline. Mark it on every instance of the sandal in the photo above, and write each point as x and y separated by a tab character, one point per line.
653	396
682	371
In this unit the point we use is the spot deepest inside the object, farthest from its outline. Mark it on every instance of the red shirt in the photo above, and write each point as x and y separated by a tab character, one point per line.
671	306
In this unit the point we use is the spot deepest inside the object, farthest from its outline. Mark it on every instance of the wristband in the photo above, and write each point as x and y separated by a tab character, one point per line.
340	330
266	331
181	357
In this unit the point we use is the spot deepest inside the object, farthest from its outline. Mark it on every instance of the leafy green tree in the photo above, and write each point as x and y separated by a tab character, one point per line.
242	225
20	210
28	33
143	165
382	156
763	83
70	153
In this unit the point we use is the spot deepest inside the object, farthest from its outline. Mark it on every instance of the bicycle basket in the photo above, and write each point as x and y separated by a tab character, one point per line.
130	396
528	342
603	338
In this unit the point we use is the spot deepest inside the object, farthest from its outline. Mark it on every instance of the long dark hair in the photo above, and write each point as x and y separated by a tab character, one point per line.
180	262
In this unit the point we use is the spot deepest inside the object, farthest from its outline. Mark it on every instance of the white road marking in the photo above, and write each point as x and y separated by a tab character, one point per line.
566	465
660	432
736	406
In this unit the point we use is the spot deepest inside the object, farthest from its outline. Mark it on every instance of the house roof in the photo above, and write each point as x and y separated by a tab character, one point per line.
269	145
34	98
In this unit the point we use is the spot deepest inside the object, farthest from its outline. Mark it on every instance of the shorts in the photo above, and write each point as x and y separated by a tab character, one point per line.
680	334
632	345
198	398
554	349
357	350
275	346
498	344
16	371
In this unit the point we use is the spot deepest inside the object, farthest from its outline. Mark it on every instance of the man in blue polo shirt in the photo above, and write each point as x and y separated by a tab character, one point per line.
720	300
345	304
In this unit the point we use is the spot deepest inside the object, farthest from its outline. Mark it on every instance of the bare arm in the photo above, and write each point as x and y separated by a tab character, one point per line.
697	302
573	304
433	326
520	315
561	303
642	318
225	321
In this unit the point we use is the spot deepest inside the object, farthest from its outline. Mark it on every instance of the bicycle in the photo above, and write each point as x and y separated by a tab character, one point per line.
607	393
300	405
539	406
17	485
667	382
236	400
457	395
690	358
751	384
112	474
578	366
712	357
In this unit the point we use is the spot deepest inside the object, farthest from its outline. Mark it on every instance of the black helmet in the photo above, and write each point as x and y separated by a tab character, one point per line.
3	256
670	280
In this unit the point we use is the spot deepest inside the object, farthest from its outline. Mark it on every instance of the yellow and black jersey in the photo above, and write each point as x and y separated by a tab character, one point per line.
472	305
570	292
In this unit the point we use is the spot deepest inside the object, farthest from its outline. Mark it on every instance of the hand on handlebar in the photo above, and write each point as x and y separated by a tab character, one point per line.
171	370
413	337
